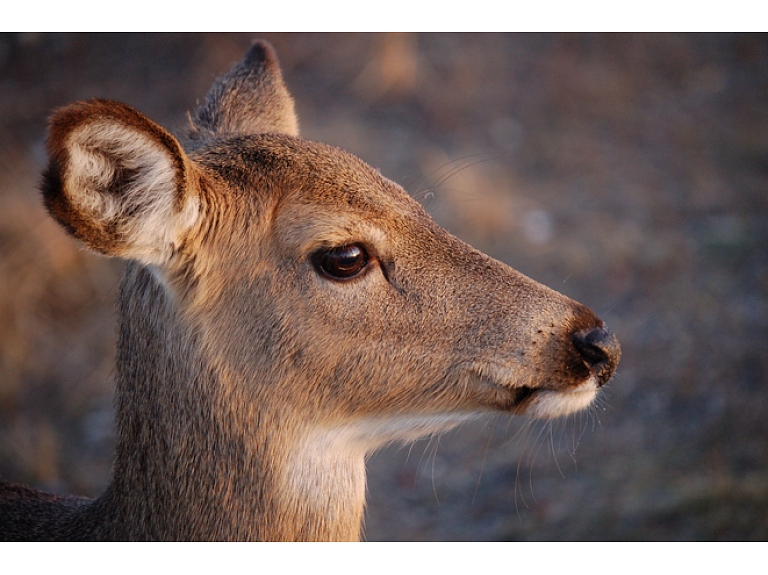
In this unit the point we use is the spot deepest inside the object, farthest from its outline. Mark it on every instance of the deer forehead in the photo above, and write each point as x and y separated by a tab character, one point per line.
303	228
312	194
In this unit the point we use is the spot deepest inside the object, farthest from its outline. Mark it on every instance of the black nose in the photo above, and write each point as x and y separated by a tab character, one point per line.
600	351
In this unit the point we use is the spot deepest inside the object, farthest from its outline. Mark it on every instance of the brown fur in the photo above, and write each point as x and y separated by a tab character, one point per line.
250	383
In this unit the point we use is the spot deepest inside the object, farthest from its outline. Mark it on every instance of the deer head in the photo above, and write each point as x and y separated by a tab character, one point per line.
287	310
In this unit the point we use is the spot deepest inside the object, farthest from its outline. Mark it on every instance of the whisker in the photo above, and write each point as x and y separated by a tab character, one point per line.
482	465
434	457
457	166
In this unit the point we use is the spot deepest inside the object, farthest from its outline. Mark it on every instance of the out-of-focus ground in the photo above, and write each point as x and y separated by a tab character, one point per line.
628	171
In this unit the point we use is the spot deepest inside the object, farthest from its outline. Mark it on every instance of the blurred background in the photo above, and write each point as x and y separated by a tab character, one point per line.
629	172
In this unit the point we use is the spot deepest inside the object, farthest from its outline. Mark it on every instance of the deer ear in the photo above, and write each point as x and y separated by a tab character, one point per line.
119	182
251	98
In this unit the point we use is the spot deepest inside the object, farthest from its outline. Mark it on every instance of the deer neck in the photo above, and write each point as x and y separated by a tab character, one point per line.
197	461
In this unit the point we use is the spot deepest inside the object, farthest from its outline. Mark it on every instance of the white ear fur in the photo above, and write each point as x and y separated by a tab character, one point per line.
119	182
101	155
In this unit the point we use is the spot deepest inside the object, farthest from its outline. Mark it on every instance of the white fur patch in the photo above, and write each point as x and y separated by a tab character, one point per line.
337	454
330	462
551	404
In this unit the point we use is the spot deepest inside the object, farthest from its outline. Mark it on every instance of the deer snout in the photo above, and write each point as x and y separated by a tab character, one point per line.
600	351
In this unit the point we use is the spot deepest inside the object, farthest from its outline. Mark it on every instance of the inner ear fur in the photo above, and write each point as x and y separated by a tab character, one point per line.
118	182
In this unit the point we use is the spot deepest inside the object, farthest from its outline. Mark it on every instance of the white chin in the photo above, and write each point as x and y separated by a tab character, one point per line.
551	404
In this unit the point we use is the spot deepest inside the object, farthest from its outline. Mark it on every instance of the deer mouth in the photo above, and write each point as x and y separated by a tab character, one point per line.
503	396
538	402
542	403
520	395
519	400
494	387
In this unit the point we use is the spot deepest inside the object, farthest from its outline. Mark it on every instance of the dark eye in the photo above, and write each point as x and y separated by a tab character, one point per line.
341	263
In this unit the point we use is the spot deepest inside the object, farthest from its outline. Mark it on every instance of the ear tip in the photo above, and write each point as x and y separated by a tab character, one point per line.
66	118
261	53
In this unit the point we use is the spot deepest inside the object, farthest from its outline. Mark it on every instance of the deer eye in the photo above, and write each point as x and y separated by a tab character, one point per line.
341	263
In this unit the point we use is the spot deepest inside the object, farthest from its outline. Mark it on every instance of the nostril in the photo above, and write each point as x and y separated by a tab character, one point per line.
590	345
600	351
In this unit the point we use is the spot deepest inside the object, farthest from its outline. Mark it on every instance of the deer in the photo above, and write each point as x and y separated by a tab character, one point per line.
285	310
